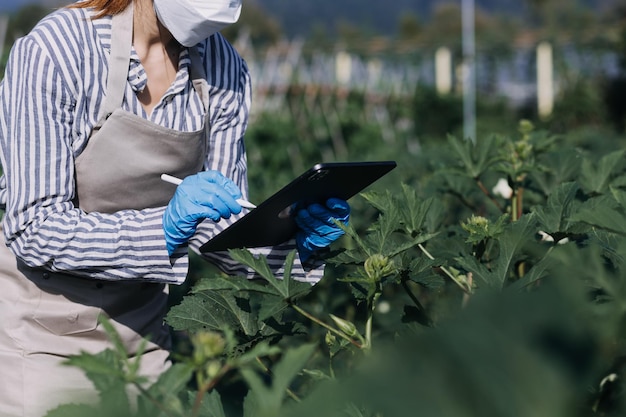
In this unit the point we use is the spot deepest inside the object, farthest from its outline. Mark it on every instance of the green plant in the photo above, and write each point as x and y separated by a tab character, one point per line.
458	298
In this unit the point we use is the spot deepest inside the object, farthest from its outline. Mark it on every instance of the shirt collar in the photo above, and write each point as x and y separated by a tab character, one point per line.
137	75
138	78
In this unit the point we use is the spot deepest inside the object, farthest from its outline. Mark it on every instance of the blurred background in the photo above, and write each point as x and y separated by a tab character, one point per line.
378	79
345	74
372	79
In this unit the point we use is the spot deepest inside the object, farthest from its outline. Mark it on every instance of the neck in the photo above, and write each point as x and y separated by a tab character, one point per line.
147	29
158	52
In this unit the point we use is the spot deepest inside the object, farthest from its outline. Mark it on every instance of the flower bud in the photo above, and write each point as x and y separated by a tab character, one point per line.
207	345
212	369
345	326
378	266
330	339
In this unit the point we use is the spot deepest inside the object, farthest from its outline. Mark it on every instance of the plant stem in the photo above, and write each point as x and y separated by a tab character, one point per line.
153	400
269	372
466	296
413	297
206	387
514	207
326	326
445	270
488	194
516	204
516	214
370	322
520	202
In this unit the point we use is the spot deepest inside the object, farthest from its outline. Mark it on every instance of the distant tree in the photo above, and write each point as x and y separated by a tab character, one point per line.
615	89
24	20
320	39
495	44
350	34
409	26
20	23
444	28
263	28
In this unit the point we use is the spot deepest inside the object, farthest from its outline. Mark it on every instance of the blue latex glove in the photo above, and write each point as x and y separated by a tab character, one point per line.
316	227
206	195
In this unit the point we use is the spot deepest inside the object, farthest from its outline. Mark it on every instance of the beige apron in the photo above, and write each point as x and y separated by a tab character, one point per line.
45	317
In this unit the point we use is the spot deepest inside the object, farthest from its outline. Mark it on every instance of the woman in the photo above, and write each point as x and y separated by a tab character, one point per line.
97	101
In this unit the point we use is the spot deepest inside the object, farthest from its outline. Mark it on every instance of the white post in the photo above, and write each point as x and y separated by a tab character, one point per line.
469	77
343	68
374	73
545	82
443	70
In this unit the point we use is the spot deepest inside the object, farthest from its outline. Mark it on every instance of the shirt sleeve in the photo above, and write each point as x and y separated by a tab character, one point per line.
42	226
230	98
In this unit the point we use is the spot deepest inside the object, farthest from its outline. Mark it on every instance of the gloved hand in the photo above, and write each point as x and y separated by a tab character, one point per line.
316	227
206	195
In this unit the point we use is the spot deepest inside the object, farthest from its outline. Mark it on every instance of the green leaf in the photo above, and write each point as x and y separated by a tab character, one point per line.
251	356
271	306
269	398
288	288
75	410
555	215
421	272
511	242
233	284
596	178
603	212
250	406
212	310
557	168
317	374
361	244
349	257
481	229
413	211
538	271
113	336
479	271
106	371
104	363
260	266
619	195
212	405
290	365
476	158
362	286
384	202
353	411
169	385
115	400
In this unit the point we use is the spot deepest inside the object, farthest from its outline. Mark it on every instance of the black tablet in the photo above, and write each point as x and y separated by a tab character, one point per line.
272	223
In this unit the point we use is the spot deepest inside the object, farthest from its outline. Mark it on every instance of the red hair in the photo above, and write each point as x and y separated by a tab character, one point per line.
103	7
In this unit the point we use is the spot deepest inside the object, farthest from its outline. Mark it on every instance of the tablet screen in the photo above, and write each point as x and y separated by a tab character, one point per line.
272	223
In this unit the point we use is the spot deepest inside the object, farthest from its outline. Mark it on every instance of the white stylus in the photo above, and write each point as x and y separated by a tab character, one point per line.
176	181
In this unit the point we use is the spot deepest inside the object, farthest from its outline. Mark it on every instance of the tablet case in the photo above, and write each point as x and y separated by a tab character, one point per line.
272	223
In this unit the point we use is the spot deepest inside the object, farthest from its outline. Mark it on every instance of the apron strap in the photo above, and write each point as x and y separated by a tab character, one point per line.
198	77
121	44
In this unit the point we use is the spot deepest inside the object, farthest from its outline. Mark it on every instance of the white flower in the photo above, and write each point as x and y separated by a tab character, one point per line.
502	189
547	238
384	307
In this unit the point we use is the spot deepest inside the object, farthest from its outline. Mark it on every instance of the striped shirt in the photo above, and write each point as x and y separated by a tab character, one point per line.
50	100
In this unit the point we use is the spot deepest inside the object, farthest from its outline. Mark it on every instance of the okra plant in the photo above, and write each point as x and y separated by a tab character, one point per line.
492	285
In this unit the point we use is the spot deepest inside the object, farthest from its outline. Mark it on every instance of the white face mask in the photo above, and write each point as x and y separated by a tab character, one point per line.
192	21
